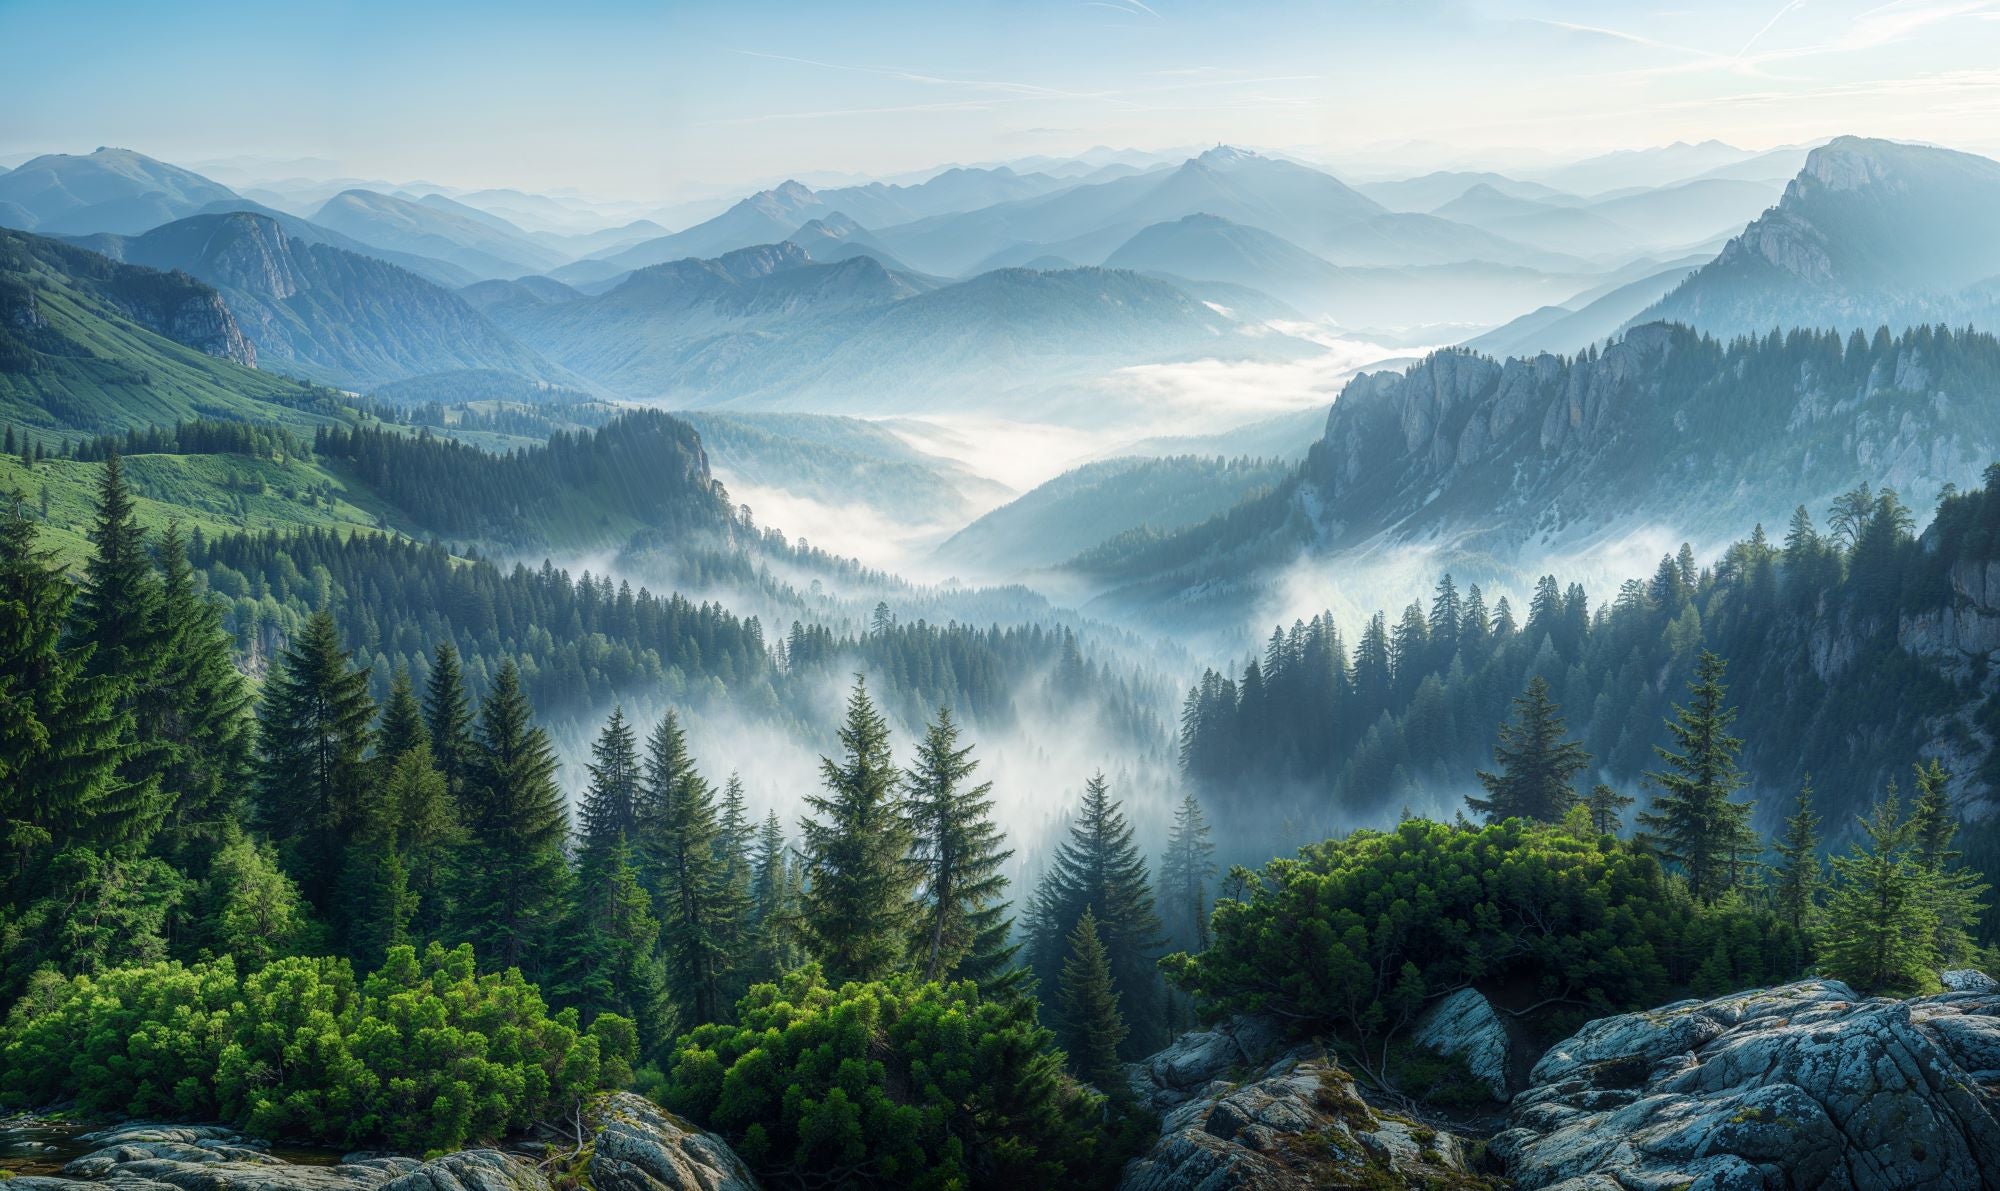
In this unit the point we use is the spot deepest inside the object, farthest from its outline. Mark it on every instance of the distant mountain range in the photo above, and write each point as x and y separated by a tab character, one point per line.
110	190
483	245
324	312
1870	232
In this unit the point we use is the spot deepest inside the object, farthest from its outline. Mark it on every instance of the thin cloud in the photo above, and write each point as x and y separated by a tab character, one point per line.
1132	7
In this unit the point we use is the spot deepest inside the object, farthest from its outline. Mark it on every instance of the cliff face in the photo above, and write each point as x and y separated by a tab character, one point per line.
182	309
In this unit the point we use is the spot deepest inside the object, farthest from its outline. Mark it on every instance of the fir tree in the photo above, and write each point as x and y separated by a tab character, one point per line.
775	949
426	837
610	801
1185	871
1092	1027
613	961
376	904
1881	933
206	717
1607	807
1536	764
962	927
858	909
1953	892
1694	822
402	726
677	832
735	838
1099	867
515	887
313	730
1796	890
448	715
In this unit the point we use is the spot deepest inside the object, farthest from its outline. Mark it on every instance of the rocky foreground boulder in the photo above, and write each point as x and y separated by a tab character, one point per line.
626	1144
1803	1085
1240	1109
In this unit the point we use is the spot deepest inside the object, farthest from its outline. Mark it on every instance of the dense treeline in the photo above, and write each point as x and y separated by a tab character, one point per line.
1810	625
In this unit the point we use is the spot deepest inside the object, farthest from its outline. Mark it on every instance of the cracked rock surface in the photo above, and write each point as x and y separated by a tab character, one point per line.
1802	1085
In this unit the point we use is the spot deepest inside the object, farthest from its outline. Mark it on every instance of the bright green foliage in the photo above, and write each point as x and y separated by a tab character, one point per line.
677	834
423	1055
255	912
314	728
1694	823
1536	763
859	883
963	926
1881	930
511	900
1799	874
1954	892
1590	922
1099	868
1092	1027
892	1084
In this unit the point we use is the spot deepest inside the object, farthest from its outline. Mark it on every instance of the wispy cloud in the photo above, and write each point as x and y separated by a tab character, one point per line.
1133	7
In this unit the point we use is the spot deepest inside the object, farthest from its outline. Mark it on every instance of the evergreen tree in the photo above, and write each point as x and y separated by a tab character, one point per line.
1185	871
313	730
963	926
735	838
1099	867
610	801
206	717
376	904
119	612
448	715
426	837
1881	933
1536	764
677	832
402	726
1694	822
1091	1026
613	961
858	910
775	950
1607	807
515	886
1953	892
1796	890
256	914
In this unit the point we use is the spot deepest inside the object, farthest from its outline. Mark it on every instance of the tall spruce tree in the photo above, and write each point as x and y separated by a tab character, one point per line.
677	833
448	715
514	890
735	839
1536	764
1953	891
1092	1028
610	801
1099	867
120	612
774	944
313	731
206	718
1186	868
1881	932
858	910
427	837
402	725
1694	822
962	925
1795	892
613	963
1607	808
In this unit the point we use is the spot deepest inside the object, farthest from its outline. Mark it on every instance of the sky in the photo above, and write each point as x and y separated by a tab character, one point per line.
660	100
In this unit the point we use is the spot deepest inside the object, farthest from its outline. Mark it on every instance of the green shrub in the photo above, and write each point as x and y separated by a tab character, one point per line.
422	1055
895	1083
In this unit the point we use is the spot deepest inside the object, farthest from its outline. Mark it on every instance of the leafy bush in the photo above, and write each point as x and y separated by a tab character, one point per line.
895	1083
1359	934
422	1055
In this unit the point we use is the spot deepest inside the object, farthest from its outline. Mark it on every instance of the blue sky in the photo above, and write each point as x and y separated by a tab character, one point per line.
653	99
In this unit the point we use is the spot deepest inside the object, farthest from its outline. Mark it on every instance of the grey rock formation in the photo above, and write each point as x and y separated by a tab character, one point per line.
1294	1123
1197	1059
472	1170
1466	1026
1804	1085
641	1147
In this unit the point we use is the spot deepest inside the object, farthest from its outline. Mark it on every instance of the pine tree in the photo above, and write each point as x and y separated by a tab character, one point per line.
1536	764
1796	891
1693	822
963	926
207	718
1092	1027
448	715
1185	871
1607	807
613	944
677	834
514	888
1099	867
1881	934
119	612
858	909
1953	892
610	801
313	731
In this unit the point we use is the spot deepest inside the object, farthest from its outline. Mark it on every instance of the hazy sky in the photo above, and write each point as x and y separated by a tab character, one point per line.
645	100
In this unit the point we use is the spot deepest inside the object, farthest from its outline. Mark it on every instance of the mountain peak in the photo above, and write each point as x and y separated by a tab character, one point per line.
793	191
1223	156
